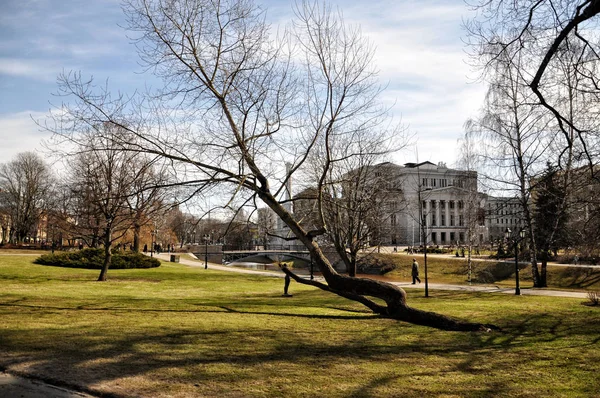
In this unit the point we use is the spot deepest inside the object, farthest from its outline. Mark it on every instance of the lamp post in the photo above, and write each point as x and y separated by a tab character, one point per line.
153	234
516	240
53	228
206	238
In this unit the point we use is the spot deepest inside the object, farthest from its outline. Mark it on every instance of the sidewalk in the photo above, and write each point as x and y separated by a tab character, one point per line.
14	386
451	256
403	285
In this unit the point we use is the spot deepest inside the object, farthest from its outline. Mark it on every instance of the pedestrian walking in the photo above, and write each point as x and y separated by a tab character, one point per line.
415	271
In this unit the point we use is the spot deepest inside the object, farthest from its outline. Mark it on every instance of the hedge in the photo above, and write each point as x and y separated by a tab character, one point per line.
94	259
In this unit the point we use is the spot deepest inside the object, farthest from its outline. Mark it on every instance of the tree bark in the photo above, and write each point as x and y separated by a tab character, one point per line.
136	237
107	255
359	289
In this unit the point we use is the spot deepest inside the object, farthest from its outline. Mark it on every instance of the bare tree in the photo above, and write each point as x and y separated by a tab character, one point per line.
532	34
266	224
25	188
472	203
102	178
515	135
249	107
147	196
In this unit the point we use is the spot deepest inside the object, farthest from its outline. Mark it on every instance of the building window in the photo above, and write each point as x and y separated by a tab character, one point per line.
452	237
434	237
461	236
424	182
443	204
433	220
461	220
443	237
443	183
393	219
443	220
433	182
451	204
460	205
424	205
452	221
433	204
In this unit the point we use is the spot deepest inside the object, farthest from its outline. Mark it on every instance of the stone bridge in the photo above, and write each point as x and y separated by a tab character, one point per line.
273	255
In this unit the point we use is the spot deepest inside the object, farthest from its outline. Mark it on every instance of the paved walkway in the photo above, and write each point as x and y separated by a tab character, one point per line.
405	285
14	386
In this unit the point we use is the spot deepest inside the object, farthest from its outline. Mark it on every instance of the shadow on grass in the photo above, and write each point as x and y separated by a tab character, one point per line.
219	309
105	354
580	277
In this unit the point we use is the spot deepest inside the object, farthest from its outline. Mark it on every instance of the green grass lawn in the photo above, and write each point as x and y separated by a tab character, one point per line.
176	331
454	270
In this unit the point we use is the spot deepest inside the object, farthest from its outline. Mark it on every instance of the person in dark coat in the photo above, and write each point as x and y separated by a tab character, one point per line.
415	271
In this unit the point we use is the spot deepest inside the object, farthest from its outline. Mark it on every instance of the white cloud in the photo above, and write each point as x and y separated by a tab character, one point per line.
421	56
19	133
33	69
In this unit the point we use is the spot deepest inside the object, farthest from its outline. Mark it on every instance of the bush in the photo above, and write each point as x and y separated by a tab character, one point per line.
94	258
594	298
493	272
375	265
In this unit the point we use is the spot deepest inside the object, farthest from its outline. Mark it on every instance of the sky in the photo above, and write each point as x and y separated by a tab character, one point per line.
420	53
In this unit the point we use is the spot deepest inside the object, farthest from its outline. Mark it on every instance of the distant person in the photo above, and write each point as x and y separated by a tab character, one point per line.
415	271
575	259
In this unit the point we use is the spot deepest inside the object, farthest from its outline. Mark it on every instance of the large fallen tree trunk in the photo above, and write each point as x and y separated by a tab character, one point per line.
360	289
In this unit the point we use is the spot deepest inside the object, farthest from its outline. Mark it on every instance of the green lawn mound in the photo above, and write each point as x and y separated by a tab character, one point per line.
94	258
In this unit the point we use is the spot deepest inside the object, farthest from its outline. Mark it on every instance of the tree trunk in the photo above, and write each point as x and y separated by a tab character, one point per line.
358	289
136	238
542	278
107	255
352	265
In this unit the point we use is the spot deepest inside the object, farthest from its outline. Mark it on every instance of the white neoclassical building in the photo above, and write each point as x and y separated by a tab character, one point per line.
443	201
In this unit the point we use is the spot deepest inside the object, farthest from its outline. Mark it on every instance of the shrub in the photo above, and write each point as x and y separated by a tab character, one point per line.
594	298
94	258
375	265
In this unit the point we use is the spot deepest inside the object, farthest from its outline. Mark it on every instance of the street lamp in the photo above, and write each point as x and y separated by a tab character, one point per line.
516	241
206	238
153	233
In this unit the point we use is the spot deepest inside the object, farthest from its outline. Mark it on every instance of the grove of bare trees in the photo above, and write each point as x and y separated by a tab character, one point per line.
238	102
539	124
25	194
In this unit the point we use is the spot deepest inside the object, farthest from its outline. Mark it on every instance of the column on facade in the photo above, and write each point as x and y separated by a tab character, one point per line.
446	213
456	224
432	210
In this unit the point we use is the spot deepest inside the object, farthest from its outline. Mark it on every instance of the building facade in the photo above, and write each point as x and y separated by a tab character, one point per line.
422	203
436	205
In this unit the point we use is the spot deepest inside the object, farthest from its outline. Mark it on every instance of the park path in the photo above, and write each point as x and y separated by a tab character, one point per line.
188	260
15	386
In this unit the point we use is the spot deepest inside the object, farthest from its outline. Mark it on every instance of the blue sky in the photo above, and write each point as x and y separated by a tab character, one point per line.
420	55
